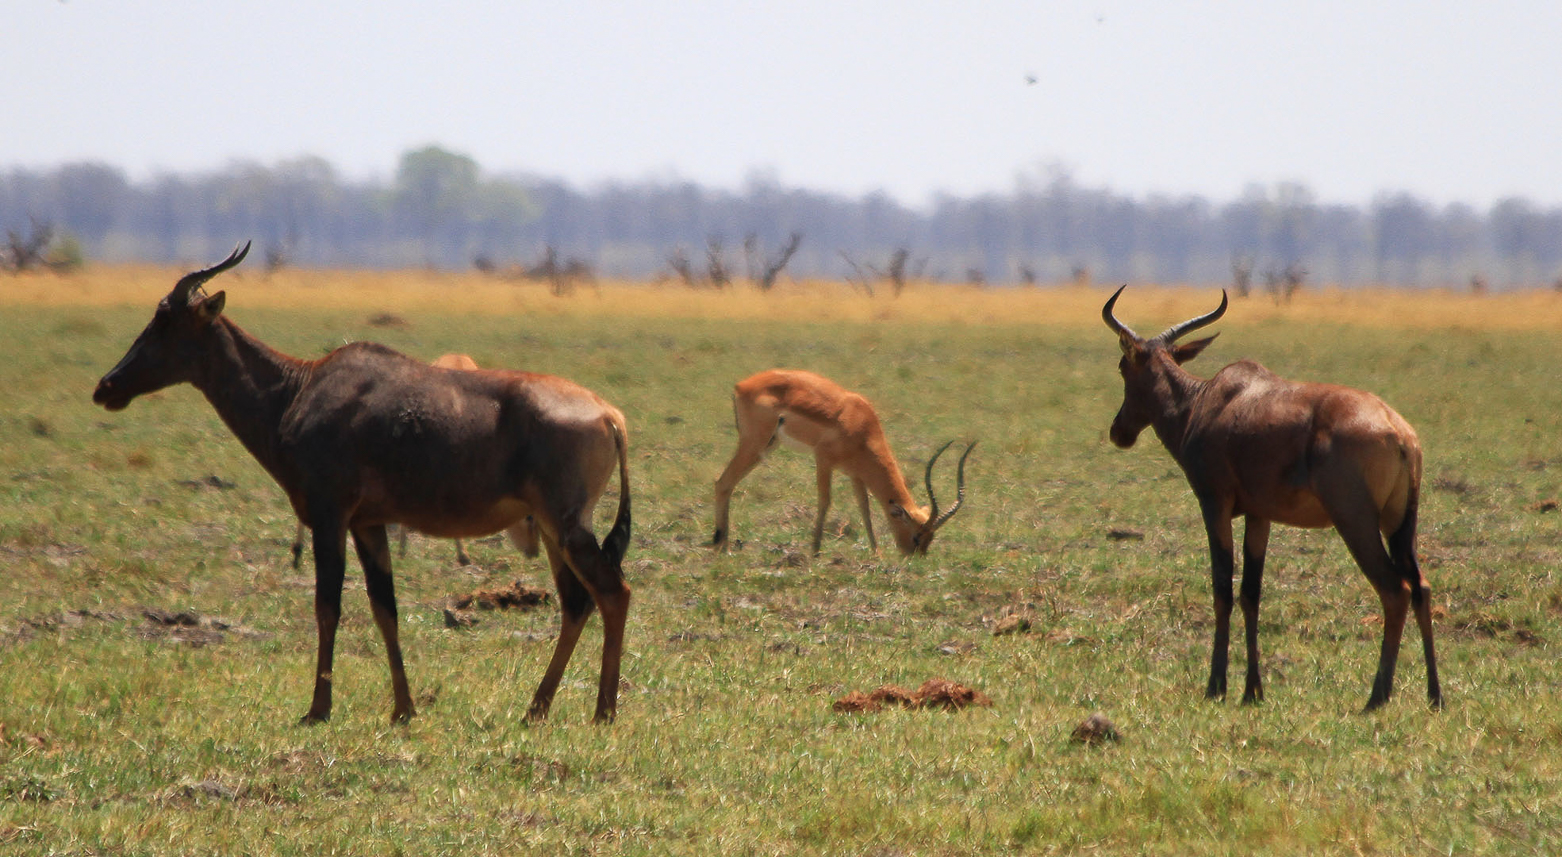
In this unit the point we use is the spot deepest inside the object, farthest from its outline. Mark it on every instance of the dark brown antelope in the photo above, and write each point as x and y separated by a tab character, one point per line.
1258	446
844	434
523	535
365	437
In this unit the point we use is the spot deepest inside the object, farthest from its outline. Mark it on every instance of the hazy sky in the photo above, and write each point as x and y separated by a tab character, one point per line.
1450	101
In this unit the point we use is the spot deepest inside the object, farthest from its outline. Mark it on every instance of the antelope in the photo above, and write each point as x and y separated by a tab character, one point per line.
844	433
364	437
522	535
1255	445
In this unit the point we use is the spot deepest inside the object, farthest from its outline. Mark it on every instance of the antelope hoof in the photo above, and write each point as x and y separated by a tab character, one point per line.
313	718
605	717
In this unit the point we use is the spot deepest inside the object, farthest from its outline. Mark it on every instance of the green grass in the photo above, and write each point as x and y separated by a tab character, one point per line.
122	737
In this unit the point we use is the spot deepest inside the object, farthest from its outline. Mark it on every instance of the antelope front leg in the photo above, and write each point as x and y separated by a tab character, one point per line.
866	509
822	477
330	547
1218	526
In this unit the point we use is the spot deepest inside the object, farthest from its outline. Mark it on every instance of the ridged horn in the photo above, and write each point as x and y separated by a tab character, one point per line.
1125	336
937	519
1176	331
190	282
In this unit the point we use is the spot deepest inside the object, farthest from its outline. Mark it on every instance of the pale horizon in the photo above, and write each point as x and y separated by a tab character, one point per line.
1449	102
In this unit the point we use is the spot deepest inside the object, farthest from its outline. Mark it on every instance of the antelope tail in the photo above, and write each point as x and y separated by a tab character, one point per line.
617	542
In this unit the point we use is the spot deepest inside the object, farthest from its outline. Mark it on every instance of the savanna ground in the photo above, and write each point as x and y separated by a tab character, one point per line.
127	729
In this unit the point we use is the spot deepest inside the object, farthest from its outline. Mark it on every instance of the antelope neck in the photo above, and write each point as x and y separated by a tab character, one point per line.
251	386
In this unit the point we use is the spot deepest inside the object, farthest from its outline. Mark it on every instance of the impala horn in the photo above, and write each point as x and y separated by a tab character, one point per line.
937	519
188	283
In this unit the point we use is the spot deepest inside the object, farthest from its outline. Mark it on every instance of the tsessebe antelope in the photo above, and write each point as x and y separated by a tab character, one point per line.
1275	451
364	437
523	535
844	433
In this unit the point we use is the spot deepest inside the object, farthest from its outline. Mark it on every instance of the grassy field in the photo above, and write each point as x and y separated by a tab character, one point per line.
123	731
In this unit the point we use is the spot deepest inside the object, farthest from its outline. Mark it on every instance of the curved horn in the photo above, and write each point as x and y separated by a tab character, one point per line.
1118	327
1173	333
927	478
940	520
190	282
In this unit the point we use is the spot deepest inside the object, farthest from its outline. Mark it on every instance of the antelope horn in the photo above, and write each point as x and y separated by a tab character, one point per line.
1125	337
940	520
1173	333
190	282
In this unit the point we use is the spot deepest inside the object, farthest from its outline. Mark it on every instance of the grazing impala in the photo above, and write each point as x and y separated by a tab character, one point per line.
523	535
365	437
1275	451
844	433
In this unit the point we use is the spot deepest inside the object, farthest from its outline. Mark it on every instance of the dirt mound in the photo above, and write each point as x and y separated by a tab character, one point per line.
516	596
934	693
1095	729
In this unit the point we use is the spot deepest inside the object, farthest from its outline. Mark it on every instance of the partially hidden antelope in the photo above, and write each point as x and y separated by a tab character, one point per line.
1258	446
842	430
364	437
523	535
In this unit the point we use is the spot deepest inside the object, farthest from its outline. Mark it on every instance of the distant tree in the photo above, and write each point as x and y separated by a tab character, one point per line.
1241	274
716	263
27	252
434	191
774	265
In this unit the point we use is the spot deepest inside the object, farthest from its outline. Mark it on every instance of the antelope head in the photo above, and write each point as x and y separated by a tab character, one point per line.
914	528
1147	366
170	350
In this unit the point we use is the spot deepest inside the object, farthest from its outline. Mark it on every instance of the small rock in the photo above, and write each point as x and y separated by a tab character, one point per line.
1096	729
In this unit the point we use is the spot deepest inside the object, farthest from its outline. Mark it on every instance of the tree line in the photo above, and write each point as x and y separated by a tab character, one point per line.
442	210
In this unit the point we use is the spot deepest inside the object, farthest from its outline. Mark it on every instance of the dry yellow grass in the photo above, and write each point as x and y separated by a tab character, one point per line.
1145	306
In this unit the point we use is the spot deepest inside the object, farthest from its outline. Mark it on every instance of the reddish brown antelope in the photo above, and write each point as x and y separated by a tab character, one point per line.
1258	446
365	437
523	535
844	434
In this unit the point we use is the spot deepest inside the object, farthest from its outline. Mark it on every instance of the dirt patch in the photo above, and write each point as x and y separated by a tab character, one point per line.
189	628
1117	535
1019	622
934	693
1491	628
212	481
460	610
387	319
1545	506
57	622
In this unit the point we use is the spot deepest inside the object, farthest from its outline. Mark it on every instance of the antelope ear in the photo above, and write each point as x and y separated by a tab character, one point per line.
1188	350
896	511
212	306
